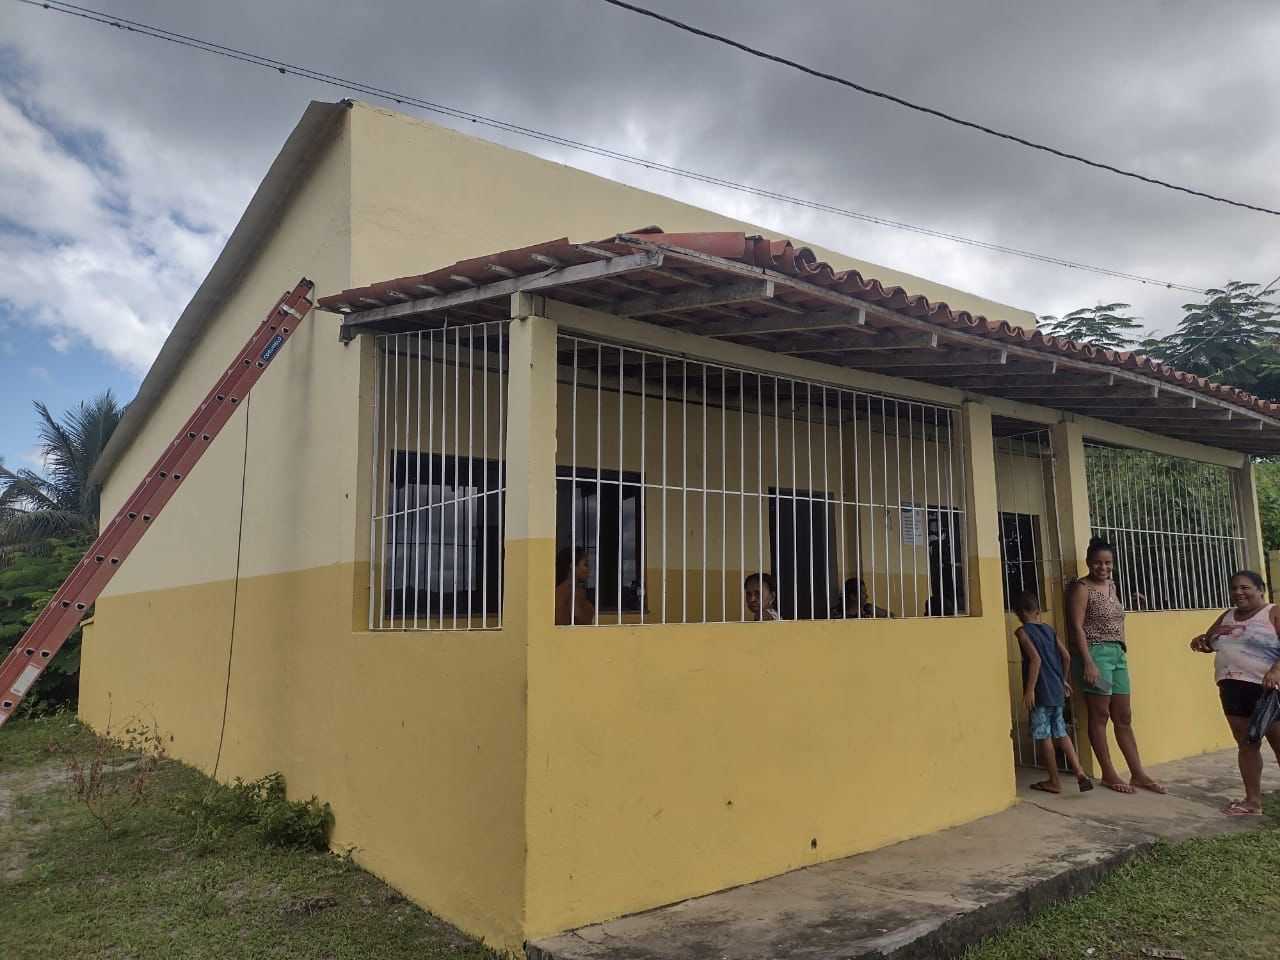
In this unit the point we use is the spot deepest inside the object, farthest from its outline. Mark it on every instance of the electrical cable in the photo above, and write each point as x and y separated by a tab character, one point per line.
932	111
402	99
235	591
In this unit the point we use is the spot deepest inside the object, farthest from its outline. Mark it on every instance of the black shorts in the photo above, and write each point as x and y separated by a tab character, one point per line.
1239	697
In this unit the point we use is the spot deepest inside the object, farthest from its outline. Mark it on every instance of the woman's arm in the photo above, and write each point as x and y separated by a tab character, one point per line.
1271	678
1064	655
1032	657
1077	603
1204	643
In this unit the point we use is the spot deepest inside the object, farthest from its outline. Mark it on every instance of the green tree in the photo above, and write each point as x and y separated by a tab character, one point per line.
27	583
1231	337
1267	478
1105	325
61	502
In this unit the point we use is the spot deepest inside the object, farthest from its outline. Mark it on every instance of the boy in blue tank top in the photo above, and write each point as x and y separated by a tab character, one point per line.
1046	664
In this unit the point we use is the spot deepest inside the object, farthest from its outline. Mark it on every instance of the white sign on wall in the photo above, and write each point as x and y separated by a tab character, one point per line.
913	525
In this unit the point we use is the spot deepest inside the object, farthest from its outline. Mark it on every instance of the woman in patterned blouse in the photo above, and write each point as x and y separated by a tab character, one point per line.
1095	625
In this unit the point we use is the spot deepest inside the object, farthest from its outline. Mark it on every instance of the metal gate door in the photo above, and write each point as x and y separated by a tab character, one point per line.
1031	555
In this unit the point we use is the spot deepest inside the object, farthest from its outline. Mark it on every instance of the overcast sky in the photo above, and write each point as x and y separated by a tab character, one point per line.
125	162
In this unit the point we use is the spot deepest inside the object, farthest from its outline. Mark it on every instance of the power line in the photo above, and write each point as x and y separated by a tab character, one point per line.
403	99
930	111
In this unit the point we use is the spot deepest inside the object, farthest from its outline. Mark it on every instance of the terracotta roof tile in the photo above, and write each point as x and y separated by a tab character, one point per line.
782	257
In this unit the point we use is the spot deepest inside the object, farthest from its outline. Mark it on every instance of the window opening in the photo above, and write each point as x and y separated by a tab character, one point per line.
726	472
439	478
1174	522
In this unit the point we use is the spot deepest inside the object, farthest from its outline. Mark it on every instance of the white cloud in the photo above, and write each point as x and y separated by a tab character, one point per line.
32	458
41	373
92	250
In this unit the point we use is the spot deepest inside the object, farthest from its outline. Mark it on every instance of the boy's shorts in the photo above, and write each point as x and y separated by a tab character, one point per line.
1113	670
1047	722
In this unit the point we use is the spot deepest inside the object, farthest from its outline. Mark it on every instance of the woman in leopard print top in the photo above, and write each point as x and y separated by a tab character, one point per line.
1095	620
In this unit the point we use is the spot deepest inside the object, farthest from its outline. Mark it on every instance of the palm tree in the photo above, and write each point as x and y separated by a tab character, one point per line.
61	502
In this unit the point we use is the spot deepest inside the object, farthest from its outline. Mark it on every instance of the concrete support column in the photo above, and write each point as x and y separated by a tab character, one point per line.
1246	492
1071	495
529	595
985	587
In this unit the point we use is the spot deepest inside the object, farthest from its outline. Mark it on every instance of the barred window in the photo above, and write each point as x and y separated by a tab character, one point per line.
1174	523
680	479
1020	546
439	479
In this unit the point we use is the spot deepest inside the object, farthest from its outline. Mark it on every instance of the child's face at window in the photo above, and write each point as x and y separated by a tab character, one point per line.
758	597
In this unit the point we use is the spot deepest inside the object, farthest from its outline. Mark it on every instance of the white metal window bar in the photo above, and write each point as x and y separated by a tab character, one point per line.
1174	523
712	473
439	479
1030	528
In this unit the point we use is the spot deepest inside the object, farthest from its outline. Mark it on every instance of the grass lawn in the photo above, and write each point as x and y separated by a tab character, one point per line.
1213	899
68	889
148	890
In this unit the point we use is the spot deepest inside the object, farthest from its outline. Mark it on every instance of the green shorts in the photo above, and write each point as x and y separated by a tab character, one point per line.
1113	670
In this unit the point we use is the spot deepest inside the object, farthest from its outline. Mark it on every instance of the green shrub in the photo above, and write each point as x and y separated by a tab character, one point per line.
260	805
28	580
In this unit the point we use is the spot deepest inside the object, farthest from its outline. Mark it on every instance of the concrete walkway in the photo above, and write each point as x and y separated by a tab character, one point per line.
932	896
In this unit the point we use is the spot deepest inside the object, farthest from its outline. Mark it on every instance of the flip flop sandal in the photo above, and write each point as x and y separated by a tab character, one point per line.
1237	809
1084	783
1044	788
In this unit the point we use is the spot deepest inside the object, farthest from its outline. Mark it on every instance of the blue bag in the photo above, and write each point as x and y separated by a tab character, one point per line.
1264	715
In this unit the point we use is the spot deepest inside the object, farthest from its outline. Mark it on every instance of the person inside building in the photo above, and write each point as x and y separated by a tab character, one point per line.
856	603
1095	624
1245	642
759	594
572	603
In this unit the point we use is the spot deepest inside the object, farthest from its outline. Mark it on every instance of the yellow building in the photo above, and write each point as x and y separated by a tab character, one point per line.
356	585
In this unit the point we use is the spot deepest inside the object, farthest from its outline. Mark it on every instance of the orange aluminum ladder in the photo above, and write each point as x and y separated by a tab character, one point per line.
34	652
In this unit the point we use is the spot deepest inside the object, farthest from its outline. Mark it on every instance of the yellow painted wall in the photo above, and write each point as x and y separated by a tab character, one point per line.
666	762
1176	712
416	739
301	475
426	196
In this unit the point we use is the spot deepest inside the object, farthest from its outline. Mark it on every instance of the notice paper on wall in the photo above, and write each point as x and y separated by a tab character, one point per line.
913	525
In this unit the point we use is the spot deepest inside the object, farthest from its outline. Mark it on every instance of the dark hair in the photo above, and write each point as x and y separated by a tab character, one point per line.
1256	578
765	578
1026	601
853	585
566	560
1096	546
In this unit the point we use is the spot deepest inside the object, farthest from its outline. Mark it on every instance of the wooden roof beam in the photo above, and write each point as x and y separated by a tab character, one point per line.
503	288
796	323
939	360
700	298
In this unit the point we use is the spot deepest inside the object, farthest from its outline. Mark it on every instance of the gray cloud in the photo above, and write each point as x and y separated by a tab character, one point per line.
1178	90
